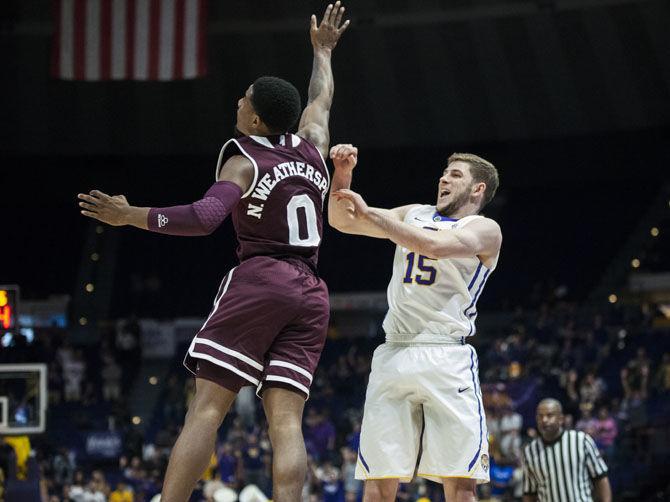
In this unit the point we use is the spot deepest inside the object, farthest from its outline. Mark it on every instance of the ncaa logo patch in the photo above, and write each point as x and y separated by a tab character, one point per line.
485	462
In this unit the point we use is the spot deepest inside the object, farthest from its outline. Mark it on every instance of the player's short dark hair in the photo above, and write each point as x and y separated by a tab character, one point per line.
277	103
482	171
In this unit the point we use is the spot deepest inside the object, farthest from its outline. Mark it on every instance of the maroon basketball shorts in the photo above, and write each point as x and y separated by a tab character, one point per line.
267	328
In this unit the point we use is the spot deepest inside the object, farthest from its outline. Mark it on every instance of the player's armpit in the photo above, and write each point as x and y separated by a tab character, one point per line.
239	170
316	134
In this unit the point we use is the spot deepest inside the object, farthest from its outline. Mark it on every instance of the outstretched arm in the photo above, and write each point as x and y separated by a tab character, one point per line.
199	218
314	121
480	238
341	211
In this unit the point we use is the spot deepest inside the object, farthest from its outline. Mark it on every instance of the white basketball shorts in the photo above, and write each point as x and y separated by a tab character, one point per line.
424	404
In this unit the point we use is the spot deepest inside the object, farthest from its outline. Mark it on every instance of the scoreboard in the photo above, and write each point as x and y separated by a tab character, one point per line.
9	303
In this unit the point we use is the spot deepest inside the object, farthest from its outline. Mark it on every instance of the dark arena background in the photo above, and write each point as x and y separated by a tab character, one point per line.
570	99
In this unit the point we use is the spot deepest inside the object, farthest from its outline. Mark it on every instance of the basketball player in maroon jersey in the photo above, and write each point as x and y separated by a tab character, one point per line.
270	315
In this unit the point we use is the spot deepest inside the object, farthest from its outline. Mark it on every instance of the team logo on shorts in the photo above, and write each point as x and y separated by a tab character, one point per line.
485	462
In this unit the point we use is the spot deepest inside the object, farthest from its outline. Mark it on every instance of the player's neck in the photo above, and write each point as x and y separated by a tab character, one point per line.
467	209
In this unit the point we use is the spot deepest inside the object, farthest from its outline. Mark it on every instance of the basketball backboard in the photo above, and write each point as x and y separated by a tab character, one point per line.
23	398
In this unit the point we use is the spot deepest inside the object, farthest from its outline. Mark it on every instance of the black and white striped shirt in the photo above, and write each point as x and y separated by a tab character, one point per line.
562	471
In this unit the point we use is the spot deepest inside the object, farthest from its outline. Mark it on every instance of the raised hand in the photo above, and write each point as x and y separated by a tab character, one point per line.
110	209
345	156
360	207
326	34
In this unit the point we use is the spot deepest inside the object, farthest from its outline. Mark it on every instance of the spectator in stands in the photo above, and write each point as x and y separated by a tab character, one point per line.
111	378
55	383
63	468
592	388
570	383
662	378
503	480
353	488
95	491
587	422
354	437
245	405
254	464
211	487
510	425
174	402
331	484
229	464
75	491
606	432
74	371
129	350
64	353
132	472
123	493
319	434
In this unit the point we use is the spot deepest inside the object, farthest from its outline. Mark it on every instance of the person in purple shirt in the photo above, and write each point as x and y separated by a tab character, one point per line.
268	324
228	464
319	433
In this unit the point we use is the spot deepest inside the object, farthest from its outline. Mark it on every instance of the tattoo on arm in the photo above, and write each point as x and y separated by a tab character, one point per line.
321	84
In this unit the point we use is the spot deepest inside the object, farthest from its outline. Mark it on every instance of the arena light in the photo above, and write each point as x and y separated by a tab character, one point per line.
612	298
654	231
137	420
90	287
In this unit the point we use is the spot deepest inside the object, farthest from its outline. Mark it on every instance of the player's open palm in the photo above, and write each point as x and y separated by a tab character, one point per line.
326	34
110	209
344	156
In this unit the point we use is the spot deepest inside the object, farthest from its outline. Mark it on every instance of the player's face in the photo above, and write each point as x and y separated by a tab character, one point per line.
454	187
549	420
246	115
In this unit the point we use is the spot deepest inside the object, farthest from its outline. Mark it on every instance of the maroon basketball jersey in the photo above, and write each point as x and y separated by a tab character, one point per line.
281	213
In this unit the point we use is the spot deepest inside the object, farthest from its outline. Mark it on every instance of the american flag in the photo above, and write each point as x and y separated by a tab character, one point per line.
129	39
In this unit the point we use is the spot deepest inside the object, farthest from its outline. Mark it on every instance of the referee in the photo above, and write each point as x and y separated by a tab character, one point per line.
562	465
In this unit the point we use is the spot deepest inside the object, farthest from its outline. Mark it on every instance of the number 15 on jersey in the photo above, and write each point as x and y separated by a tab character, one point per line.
426	275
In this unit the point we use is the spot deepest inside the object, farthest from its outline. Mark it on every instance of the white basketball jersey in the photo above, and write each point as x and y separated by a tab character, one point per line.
434	301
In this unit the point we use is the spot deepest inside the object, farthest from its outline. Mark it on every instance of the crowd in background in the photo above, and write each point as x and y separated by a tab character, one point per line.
611	372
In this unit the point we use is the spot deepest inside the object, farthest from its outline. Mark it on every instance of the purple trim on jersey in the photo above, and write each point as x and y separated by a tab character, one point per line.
365	464
474	302
474	278
438	217
479	406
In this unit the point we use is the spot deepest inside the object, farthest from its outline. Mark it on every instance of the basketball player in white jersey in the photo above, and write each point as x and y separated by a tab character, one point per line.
423	408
